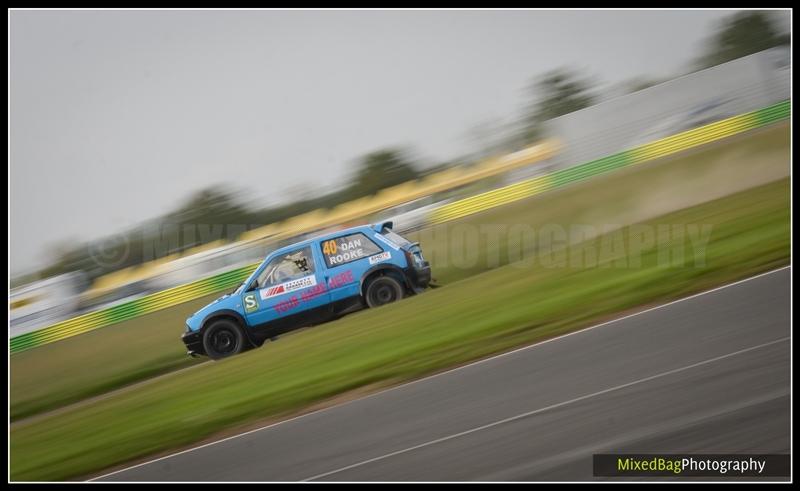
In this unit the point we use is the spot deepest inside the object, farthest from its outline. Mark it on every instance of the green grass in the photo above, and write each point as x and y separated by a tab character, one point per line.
484	314
134	350
93	363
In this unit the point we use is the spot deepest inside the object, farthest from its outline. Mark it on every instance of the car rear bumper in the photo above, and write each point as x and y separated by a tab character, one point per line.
419	276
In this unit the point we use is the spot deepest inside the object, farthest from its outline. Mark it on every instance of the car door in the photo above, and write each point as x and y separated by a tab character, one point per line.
289	285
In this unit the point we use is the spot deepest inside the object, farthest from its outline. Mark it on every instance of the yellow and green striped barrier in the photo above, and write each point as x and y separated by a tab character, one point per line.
129	310
174	296
647	152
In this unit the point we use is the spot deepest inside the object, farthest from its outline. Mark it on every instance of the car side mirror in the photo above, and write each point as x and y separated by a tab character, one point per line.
253	286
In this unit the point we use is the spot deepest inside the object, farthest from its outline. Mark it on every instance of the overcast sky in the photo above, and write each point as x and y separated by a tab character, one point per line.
117	116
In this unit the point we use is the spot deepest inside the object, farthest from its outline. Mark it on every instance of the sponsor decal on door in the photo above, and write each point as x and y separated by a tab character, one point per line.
289	286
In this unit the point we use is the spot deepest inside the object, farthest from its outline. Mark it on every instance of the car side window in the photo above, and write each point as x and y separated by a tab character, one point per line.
347	248
286	267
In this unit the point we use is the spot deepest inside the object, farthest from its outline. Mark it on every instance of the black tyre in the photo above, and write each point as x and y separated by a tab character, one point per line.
223	338
383	290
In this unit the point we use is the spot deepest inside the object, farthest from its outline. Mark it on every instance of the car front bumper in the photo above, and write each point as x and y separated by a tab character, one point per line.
194	343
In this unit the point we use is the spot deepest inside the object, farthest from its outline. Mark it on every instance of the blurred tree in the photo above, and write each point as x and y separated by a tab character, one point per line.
63	254
210	205
742	34
68	255
381	169
556	93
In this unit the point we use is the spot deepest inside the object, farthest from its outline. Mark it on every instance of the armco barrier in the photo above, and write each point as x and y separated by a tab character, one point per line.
464	207
650	151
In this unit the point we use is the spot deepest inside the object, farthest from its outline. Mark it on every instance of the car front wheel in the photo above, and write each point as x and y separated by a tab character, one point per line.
223	338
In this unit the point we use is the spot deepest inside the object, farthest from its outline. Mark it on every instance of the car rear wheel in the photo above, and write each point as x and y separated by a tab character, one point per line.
383	290
223	338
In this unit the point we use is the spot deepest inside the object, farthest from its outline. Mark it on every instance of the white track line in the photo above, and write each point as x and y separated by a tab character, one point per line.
573	333
543	409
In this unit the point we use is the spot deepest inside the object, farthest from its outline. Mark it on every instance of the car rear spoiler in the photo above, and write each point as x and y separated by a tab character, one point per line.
378	227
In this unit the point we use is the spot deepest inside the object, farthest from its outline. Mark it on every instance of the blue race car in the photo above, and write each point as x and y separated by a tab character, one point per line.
307	283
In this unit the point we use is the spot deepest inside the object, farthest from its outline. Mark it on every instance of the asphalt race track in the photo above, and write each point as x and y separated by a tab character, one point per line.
708	374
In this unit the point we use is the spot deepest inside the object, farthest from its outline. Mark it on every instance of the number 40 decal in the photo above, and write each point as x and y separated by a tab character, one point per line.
329	247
